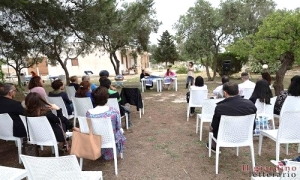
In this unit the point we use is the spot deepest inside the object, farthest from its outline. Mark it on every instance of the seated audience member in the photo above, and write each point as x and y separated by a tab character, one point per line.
232	105
87	78
36	85
37	106
145	75
12	107
219	90
169	74
262	92
100	95
103	75
199	84
58	86
33	74
293	90
74	82
84	90
115	94
266	76
246	83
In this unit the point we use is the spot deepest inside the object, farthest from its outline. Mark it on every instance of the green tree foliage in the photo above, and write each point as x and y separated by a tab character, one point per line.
236	63
277	39
166	50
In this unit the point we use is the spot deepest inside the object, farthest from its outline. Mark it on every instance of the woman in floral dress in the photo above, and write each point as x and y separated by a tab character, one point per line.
100	96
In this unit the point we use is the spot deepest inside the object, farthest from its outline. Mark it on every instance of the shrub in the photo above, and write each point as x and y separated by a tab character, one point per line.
236	63
256	67
181	70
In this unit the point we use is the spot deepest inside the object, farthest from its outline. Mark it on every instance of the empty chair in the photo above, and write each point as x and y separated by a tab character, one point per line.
6	132
113	102
81	106
247	92
197	97
287	132
64	167
103	127
60	103
10	173
234	131
207	113
264	109
133	97
70	91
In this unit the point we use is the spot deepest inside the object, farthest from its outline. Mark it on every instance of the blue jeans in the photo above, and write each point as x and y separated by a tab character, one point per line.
190	79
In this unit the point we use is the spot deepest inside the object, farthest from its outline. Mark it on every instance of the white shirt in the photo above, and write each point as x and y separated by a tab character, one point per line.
218	91
246	84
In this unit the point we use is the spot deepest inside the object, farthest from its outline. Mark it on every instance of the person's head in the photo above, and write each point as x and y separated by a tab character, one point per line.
191	64
105	82
294	88
36	105
230	89
85	78
143	71
57	84
225	79
245	76
84	87
104	73
74	79
8	90
266	76
262	91
35	81
100	96
199	81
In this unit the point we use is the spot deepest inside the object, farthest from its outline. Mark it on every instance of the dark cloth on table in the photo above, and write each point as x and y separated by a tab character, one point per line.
232	106
55	124
76	86
65	98
132	96
14	109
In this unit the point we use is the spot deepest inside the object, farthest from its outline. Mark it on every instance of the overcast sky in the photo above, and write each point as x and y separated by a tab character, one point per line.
168	12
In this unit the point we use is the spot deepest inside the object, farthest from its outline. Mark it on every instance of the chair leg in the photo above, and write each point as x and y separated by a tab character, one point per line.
42	149
19	145
217	158
121	155
201	130
74	121
260	144
140	111
298	148
126	120
252	156
287	149
115	160
56	150
237	151
81	163
188	113
209	145
273	123
143	107
277	151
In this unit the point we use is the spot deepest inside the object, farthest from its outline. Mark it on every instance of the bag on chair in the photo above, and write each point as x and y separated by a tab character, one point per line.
87	146
27	148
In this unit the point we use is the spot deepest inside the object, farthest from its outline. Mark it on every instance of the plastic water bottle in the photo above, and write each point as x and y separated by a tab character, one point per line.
257	126
265	122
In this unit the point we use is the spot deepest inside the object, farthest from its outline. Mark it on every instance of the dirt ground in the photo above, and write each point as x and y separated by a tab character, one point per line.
164	145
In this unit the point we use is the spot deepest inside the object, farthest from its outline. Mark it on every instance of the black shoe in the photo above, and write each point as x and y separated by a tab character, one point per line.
213	149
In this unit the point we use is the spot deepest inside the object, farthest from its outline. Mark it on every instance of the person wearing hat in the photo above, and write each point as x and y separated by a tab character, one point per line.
246	82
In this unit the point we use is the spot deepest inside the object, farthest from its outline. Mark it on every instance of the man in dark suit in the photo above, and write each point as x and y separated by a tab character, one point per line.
12	107
232	105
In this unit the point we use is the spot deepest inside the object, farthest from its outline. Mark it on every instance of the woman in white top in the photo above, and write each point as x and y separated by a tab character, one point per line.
199	84
190	75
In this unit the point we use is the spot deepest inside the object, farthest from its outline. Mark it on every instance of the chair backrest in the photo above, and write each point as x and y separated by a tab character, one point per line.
48	168
40	130
263	108
83	125
288	130
208	108
70	91
103	127
113	102
291	103
197	96
60	103
81	105
236	130
247	92
6	127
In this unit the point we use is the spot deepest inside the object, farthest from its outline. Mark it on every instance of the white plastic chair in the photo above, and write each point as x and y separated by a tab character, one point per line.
291	103
70	90
60	103
287	132
6	132
40	132
234	131
81	106
267	110
197	97
207	113
113	102
247	92
10	173
103	127
63	167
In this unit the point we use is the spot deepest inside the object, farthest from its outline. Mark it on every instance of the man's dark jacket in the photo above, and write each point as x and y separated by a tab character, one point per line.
231	106
14	109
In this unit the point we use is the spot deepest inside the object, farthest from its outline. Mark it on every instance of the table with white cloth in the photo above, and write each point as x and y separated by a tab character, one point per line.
12	173
175	81
157	80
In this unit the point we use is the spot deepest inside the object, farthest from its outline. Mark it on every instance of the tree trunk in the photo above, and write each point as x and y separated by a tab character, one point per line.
207	69
18	72
115	62
215	63
287	59
63	65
